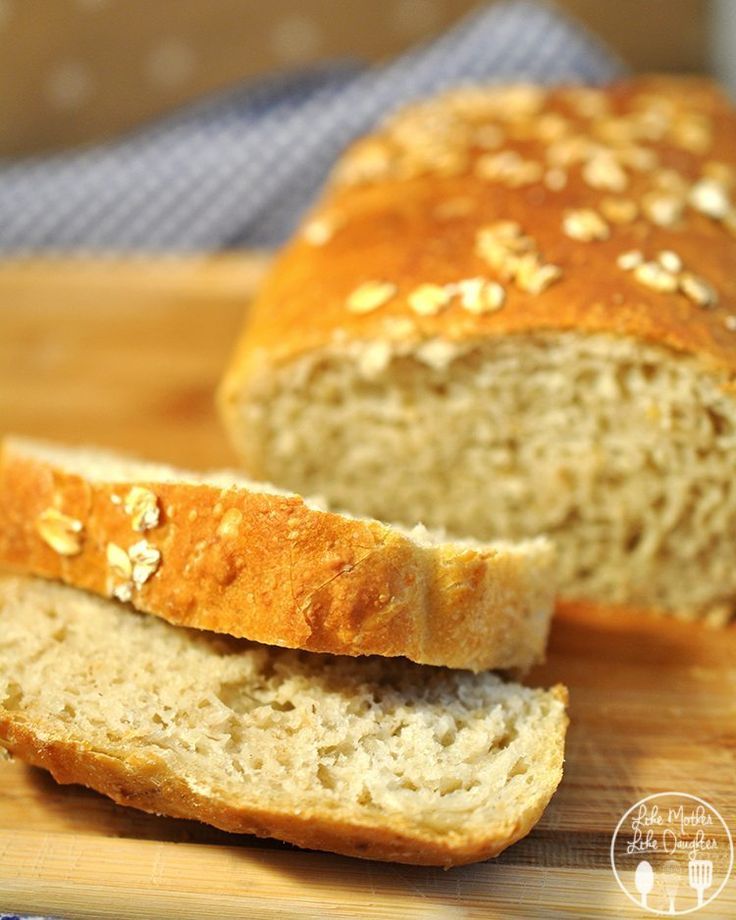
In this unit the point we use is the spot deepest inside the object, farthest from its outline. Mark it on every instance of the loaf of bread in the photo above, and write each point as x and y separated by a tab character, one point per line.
374	757
513	313
218	552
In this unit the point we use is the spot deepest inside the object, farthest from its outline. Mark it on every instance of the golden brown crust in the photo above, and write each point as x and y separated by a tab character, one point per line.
270	569
146	783
417	223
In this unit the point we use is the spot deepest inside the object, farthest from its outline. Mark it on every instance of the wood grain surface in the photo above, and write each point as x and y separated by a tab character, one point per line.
127	355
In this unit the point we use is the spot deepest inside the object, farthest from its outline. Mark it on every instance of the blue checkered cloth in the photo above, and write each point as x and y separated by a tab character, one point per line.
239	168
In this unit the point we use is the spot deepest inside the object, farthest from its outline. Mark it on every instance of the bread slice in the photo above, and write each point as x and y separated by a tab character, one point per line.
462	334
375	757
218	552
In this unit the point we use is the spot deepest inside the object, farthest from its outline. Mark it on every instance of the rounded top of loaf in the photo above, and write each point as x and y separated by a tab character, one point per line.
505	209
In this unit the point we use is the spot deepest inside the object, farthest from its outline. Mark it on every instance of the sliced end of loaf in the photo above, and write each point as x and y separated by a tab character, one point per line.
374	758
618	450
219	552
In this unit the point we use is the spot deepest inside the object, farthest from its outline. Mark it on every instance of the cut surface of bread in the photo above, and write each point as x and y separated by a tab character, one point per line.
218	552
514	313
618	451
377	758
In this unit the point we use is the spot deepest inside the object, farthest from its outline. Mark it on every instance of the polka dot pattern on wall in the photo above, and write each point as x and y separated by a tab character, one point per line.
295	39
171	63
238	169
68	85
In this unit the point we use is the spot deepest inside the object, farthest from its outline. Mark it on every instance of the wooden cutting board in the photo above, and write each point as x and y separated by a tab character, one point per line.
127	354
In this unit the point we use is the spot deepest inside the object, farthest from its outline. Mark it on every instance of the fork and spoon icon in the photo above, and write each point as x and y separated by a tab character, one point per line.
699	875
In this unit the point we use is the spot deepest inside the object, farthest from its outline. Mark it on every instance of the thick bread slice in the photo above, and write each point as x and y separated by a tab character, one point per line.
375	758
218	552
514	312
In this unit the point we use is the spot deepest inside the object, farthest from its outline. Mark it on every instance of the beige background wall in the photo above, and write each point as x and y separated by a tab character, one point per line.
78	70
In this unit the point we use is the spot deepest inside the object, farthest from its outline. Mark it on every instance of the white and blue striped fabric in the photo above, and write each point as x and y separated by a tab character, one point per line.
239	168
